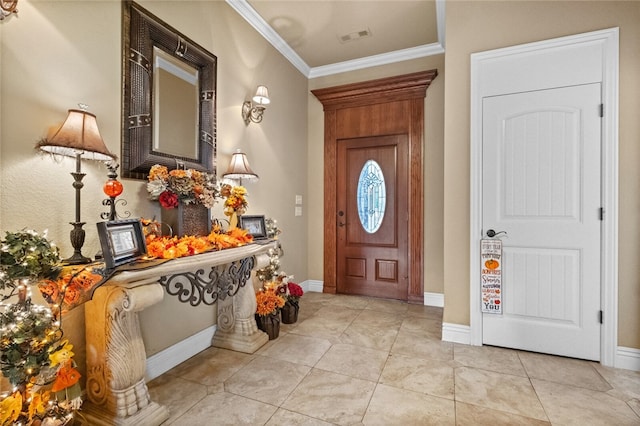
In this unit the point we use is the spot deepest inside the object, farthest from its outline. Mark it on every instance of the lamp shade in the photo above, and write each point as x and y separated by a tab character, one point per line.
239	167
78	135
262	96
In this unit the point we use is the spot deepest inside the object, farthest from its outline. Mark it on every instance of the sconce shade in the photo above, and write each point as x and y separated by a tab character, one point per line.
254	111
239	167
79	134
262	96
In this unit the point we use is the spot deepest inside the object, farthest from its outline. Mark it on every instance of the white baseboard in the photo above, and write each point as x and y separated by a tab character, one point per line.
456	333
313	285
628	358
434	299
165	360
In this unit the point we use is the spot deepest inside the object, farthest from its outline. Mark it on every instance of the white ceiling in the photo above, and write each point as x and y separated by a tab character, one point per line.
309	32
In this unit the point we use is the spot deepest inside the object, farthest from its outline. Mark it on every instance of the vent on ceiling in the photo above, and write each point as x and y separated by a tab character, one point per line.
356	35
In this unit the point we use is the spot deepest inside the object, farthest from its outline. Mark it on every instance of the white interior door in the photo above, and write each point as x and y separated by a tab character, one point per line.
541	185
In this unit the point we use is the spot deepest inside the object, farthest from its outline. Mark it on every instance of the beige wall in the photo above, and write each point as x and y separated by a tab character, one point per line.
477	26
433	164
58	53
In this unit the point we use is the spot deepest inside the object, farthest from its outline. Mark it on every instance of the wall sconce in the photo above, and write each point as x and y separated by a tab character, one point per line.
7	7
251	112
239	168
77	137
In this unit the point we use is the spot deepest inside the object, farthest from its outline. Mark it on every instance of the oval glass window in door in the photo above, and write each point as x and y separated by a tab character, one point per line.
371	195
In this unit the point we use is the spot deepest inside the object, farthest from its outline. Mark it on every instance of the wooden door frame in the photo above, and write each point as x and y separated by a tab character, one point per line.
491	75
411	88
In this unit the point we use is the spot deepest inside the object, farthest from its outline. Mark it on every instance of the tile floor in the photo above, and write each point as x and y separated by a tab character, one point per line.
362	361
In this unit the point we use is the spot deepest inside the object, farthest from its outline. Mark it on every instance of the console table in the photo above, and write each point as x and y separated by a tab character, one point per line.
116	357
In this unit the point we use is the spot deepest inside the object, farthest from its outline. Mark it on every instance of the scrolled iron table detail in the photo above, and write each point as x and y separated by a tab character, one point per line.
221	282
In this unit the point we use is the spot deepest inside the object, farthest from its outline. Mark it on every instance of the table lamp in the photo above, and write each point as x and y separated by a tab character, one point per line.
77	137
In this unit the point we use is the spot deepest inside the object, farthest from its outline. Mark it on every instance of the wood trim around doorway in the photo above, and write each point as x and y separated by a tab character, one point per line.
409	88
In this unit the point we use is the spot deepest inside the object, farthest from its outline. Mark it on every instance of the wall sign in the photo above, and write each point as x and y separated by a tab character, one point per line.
491	275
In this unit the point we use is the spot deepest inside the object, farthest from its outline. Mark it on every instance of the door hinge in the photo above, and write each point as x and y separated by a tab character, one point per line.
601	110
600	317
601	213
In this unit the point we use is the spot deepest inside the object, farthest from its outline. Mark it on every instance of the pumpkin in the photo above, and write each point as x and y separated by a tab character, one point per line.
492	264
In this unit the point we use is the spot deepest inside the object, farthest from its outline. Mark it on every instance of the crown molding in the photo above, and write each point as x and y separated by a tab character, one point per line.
255	20
375	60
251	16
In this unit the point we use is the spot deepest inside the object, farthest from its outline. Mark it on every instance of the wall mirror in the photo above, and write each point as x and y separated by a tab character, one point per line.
168	99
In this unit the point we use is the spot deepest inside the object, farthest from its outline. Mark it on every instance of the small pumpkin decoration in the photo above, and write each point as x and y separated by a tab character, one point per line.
492	264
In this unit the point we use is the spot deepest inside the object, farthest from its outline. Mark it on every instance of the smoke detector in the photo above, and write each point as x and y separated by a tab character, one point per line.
356	35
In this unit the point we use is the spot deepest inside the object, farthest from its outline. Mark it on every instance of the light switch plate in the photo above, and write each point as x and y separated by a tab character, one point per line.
298	211
299	200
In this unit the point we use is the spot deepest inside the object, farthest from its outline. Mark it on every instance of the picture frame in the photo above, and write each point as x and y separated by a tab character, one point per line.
255	225
122	241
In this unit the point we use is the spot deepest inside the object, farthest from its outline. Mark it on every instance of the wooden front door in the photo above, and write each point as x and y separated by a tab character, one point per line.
372	203
370	112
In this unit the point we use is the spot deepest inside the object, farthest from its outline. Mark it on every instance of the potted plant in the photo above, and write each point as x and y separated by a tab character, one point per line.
269	304
291	308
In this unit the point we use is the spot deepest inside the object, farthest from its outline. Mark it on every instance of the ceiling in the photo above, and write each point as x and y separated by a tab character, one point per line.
323	37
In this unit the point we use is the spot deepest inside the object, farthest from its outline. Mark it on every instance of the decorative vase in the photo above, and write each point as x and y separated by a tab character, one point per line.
187	219
270	324
233	221
289	312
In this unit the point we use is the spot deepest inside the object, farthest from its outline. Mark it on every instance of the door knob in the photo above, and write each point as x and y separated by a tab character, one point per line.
491	233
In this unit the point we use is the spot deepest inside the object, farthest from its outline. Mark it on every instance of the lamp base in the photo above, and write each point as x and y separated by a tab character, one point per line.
77	235
76	259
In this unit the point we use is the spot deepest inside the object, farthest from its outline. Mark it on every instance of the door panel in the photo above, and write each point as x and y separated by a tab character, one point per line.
373	263
541	184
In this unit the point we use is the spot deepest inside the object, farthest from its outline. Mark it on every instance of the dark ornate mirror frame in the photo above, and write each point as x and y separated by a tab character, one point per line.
141	31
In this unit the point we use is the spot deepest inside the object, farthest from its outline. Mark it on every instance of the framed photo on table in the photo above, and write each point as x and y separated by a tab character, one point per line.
122	241
255	225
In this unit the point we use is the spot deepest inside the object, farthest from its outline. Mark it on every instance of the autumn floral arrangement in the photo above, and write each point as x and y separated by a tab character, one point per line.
283	285
235	199
170	188
294	292
171	247
33	357
269	302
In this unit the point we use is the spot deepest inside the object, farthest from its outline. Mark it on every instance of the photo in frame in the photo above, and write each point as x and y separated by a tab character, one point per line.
255	225
122	241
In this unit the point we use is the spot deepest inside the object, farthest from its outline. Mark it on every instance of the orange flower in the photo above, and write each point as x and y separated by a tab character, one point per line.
268	302
188	245
155	248
178	173
242	235
158	172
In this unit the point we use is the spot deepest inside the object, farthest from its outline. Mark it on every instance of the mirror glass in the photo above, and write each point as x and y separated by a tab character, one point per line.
175	106
168	101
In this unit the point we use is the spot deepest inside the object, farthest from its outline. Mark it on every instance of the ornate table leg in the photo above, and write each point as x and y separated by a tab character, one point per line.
116	358
236	327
